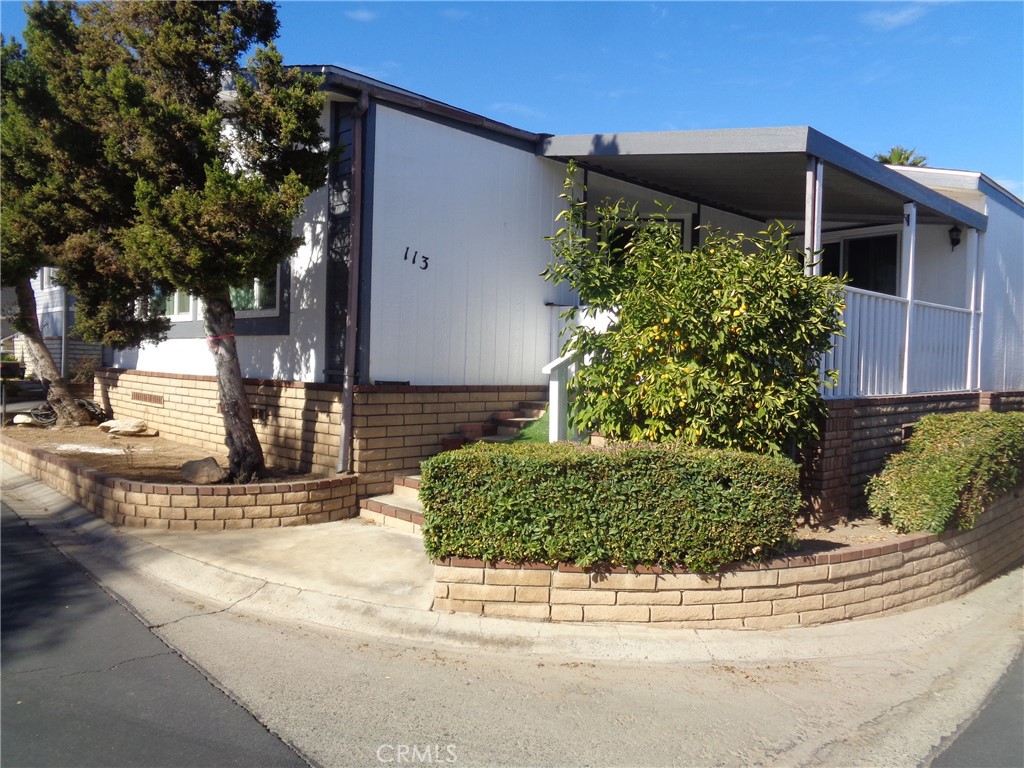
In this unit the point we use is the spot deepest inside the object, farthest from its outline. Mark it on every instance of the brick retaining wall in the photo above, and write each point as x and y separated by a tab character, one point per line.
396	427
297	423
873	580
859	434
186	507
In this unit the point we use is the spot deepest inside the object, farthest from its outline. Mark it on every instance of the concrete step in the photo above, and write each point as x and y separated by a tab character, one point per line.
502	428
516	424
392	510
479	429
533	409
407	486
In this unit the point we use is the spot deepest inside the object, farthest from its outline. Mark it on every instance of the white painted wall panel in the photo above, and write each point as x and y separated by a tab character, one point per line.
942	273
1002	343
479	211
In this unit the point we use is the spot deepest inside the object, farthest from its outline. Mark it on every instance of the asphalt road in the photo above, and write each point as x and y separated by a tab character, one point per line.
85	683
995	738
348	699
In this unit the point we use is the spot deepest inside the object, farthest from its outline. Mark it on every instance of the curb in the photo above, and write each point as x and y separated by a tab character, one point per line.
103	550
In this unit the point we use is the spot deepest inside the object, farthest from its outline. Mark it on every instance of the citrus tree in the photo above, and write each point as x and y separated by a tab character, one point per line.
718	346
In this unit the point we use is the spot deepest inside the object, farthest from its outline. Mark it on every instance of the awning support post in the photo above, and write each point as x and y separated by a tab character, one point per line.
909	254
812	214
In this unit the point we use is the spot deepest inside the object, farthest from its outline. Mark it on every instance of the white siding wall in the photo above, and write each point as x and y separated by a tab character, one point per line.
479	211
942	274
1002	344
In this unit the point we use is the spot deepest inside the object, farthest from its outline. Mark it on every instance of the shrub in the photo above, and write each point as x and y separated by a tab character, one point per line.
953	466
718	346
629	505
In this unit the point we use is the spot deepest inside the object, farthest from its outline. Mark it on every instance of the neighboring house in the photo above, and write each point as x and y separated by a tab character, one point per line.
416	303
56	312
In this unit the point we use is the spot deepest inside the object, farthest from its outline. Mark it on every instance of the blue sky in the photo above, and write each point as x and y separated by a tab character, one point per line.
946	78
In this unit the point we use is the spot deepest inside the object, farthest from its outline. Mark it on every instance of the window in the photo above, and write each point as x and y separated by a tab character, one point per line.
175	304
872	263
255	299
258	296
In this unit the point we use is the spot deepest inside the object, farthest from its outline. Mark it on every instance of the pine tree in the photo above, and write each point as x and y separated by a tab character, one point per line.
29	217
216	177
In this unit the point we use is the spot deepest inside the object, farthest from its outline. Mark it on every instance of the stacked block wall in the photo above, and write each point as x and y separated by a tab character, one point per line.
873	580
186	507
298	424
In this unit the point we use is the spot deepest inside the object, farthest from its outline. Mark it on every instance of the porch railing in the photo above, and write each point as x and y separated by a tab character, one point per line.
939	351
870	356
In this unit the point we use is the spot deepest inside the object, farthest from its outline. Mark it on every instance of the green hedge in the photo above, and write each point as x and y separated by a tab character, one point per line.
623	506
953	466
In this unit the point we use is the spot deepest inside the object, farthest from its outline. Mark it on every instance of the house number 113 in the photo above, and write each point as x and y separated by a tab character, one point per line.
423	260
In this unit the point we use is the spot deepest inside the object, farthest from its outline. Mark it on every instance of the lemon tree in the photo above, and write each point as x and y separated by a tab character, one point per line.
718	346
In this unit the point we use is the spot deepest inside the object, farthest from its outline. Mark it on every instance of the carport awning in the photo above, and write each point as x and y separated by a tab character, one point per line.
760	172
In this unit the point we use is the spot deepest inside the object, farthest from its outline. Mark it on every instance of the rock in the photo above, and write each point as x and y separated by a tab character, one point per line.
203	472
24	420
124	426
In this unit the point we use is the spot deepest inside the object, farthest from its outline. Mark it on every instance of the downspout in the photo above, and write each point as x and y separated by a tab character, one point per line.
352	305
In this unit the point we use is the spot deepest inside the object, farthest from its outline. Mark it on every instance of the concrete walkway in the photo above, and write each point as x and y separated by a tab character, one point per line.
358	577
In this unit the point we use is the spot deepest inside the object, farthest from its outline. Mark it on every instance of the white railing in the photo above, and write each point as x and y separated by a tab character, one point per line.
869	357
939	348
559	371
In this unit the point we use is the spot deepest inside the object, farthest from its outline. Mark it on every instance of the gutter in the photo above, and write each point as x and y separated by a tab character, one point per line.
352	304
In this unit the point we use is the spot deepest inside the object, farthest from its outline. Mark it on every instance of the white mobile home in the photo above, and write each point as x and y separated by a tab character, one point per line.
416	302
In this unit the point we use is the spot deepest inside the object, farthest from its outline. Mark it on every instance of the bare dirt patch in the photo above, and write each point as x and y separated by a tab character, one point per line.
132	457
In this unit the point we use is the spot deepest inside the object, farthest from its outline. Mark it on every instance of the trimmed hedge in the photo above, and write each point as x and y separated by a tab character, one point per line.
954	465
627	505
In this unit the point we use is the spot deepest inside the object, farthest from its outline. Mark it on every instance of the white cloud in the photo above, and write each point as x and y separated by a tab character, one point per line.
888	20
361	14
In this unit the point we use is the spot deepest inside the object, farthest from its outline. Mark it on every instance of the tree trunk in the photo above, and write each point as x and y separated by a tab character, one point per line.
245	455
69	413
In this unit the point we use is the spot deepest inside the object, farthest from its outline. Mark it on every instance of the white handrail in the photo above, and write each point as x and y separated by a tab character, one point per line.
558	396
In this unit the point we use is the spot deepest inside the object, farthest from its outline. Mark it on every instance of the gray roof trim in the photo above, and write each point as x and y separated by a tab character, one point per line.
842	156
997	192
757	141
709	142
343	80
972	181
